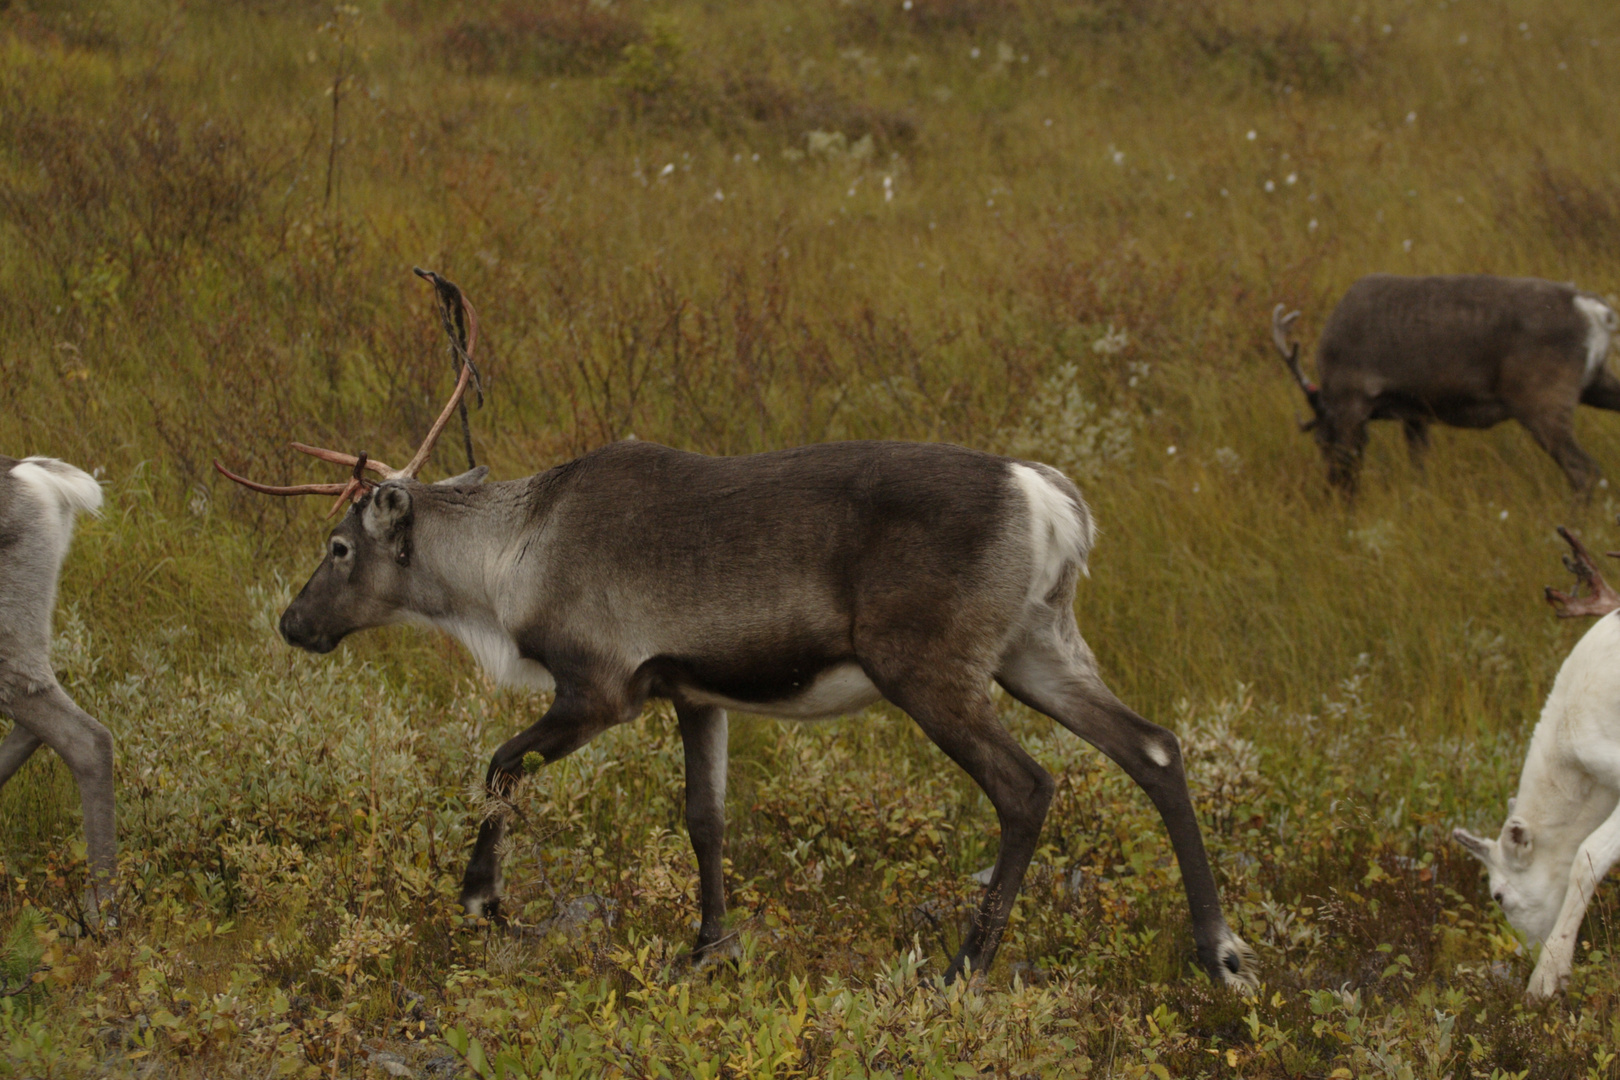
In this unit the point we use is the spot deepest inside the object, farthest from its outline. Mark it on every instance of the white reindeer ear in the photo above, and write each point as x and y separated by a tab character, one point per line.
1479	847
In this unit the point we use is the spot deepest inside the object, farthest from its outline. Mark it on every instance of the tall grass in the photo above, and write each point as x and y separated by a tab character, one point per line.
1052	229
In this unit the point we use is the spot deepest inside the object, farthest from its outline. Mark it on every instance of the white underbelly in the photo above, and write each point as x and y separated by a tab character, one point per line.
835	692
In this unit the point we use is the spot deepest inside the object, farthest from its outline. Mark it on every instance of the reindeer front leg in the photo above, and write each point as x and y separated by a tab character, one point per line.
1597	853
577	715
703	737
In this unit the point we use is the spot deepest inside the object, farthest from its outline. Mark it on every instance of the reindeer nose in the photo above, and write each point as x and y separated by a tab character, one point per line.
1497	896
293	630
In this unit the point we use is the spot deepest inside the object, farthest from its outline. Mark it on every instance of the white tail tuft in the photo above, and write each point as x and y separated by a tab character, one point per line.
60	485
1061	528
1602	323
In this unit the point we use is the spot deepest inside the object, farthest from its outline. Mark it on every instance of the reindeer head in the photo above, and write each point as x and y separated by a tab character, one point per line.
364	580
1528	884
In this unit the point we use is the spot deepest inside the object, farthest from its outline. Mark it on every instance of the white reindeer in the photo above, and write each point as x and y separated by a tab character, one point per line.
1563	830
39	499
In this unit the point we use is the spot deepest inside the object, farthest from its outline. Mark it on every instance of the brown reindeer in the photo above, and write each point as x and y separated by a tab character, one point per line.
1469	351
802	583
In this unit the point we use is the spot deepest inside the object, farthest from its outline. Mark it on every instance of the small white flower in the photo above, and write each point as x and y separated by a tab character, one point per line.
1406	245
1502	516
906	6
1171	450
1291	179
1388	28
1462	39
974	52
1252	135
1311	226
756	157
1411	117
667	169
1049	121
888	189
1271	185
1119	157
719	196
1225	193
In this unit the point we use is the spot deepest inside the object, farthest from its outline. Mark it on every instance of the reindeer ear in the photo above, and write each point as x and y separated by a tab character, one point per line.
387	519
1479	847
466	479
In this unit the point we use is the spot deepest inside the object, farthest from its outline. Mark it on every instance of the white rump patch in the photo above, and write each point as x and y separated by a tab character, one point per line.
497	653
1601	325
59	485
1060	531
62	491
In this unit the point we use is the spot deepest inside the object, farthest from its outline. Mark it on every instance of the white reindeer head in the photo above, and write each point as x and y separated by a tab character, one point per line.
1526	882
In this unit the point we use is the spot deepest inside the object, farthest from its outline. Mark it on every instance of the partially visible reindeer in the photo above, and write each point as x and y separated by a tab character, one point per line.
39	499
1470	351
802	583
1563	829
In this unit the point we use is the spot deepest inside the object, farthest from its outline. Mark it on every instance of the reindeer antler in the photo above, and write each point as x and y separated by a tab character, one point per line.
1602	600
461	323
1280	326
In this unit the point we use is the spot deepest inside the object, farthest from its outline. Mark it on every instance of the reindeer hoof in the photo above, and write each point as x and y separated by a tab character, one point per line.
1544	983
728	950
1237	966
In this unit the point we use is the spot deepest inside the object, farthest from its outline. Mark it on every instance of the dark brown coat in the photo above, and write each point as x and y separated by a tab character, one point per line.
1469	351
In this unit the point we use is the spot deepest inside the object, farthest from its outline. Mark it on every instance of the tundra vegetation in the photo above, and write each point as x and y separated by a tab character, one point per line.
1052	229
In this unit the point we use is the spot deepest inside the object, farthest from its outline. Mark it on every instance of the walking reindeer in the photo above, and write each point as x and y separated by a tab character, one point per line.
39	500
1562	834
802	583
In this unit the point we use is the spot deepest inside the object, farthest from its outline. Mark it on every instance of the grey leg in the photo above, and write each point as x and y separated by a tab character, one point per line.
955	711
1053	671
1417	441
574	719
703	737
18	747
51	717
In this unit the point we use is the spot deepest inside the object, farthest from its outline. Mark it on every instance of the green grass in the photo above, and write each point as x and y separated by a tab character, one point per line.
736	227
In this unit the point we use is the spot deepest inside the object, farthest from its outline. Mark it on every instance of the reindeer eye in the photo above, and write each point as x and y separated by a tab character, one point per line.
340	549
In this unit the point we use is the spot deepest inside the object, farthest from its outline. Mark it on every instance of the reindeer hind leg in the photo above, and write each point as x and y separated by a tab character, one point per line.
1052	671
956	712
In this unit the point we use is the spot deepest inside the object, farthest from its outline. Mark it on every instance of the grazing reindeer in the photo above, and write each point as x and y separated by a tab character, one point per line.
1469	351
1563	829
799	584
39	499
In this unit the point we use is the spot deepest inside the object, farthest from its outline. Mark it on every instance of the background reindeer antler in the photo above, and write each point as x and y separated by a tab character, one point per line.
1602	600
461	325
